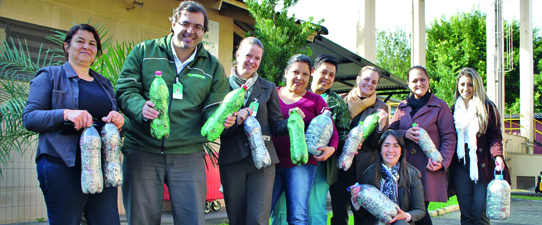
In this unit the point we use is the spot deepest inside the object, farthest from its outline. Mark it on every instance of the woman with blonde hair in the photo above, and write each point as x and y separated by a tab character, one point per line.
479	146
247	189
362	102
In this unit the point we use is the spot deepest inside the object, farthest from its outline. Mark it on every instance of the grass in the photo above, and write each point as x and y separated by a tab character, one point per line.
527	197
439	205
350	219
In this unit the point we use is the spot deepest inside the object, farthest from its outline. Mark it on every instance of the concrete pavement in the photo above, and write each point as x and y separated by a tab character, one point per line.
521	212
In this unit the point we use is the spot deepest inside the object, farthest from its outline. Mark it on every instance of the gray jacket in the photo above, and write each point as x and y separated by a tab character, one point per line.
52	91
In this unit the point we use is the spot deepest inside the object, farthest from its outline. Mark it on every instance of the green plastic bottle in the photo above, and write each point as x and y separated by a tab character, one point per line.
159	95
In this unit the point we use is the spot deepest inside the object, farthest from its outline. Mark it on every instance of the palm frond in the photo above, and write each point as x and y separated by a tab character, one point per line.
111	62
211	148
102	31
14	136
15	58
16	69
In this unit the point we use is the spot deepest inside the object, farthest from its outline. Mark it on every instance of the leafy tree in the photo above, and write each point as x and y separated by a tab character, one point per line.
393	51
461	42
281	35
454	44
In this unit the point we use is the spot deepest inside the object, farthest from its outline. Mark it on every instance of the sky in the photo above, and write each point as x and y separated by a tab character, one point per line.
341	17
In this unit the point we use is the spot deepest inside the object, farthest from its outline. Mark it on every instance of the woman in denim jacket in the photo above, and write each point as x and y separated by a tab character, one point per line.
60	95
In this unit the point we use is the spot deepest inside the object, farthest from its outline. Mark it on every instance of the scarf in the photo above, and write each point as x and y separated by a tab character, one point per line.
417	104
466	126
236	82
356	105
390	177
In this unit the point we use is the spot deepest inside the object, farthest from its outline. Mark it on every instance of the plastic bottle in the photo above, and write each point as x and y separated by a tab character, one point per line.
319	132
376	203
91	164
498	198
111	155
159	95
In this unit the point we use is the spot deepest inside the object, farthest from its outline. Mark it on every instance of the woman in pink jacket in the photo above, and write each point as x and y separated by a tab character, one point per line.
434	115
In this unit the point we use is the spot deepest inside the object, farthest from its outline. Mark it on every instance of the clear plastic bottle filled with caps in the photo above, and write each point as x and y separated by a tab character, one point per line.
498	198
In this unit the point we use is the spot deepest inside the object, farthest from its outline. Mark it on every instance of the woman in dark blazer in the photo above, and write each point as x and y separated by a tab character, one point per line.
397	179
248	190
434	115
479	146
362	102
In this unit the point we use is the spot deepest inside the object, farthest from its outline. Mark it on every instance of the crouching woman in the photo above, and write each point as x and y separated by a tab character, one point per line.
396	179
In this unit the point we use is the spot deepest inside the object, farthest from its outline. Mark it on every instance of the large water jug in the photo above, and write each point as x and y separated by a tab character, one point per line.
498	198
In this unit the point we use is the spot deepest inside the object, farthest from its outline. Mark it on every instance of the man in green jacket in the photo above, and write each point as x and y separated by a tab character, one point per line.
325	69
197	83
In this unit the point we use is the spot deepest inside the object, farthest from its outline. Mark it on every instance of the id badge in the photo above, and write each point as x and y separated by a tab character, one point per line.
254	107
177	90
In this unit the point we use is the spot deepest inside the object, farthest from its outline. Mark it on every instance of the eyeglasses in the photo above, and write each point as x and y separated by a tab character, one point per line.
195	27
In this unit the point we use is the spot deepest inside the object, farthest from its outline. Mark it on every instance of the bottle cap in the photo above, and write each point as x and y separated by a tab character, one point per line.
498	176
158	73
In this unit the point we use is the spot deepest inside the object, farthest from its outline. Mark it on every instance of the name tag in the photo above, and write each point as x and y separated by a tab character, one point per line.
177	90
254	107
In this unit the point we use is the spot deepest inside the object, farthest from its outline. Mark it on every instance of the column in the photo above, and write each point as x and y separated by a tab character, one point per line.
418	33
526	70
366	30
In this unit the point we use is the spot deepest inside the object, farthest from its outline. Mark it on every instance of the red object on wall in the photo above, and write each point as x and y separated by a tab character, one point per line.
213	183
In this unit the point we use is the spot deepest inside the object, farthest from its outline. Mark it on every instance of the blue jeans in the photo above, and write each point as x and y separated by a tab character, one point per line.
317	211
296	183
66	202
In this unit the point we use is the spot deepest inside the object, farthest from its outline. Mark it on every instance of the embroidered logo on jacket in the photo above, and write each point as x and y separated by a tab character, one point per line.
196	76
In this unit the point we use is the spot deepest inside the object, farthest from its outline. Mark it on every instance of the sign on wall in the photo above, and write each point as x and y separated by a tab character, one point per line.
210	39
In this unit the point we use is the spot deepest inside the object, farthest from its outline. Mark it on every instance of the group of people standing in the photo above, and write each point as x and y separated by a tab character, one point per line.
468	136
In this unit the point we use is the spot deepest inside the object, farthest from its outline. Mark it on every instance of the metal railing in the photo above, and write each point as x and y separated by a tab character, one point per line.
511	122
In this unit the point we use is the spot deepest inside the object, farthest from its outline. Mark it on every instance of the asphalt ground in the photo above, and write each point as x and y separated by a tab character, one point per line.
521	212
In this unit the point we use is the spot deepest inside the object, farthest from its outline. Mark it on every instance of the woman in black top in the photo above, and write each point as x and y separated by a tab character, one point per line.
71	93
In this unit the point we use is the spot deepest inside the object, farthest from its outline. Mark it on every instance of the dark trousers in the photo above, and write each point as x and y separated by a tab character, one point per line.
143	187
247	192
426	220
65	200
471	196
340	198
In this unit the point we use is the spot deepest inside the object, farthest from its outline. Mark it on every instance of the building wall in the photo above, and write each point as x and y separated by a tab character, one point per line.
149	22
537	136
526	167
